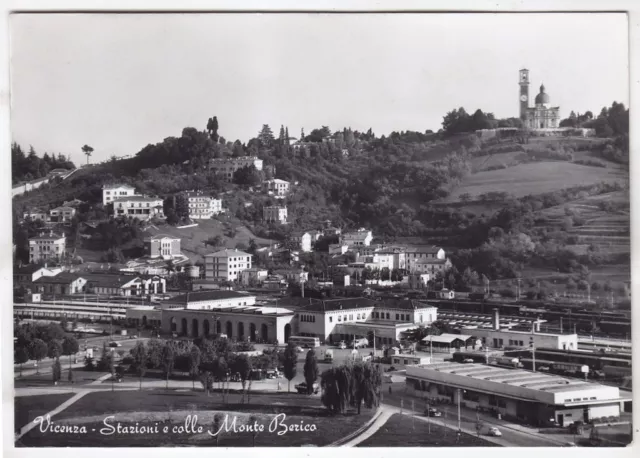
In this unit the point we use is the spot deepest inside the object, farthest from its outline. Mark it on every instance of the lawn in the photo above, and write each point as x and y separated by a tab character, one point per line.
172	409
193	238
27	408
536	178
403	431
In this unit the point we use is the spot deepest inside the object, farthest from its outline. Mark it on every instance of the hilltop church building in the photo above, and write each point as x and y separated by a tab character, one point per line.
542	115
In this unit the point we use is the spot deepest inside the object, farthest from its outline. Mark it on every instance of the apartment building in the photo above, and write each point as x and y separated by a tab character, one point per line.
45	247
227	166
203	207
111	192
226	264
139	207
275	214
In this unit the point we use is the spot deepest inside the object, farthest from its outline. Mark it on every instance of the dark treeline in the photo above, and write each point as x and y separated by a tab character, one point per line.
29	166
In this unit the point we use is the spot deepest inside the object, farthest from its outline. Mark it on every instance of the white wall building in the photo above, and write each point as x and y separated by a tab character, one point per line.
275	214
110	192
279	188
227	166
139	207
357	238
45	247
203	207
518	395
226	264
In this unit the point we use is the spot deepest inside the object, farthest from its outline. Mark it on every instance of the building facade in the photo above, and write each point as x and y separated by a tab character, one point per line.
203	207
62	214
361	237
279	188
47	247
64	283
519	395
227	166
114	191
226	264
139	207
275	214
542	115
162	246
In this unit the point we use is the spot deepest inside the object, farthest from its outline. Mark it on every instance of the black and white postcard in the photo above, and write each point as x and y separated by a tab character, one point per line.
312	229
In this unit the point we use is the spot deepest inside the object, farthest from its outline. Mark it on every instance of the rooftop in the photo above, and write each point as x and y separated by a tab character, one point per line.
200	296
117	186
226	253
446	338
162	236
49	236
63	278
330	305
109	280
422	249
402	304
137	198
514	377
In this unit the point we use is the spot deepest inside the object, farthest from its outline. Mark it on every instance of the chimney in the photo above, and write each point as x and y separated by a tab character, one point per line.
496	319
537	325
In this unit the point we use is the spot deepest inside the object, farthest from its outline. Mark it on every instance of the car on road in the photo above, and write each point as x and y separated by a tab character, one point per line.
115	344
341	345
495	432
569	444
431	412
302	388
133	337
468	360
299	349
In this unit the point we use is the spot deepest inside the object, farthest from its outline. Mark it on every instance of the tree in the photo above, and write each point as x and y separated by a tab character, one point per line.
290	363
38	351
56	371
253	421
247	176
139	354
20	356
54	349
242	365
168	361
265	136
87	150
366	384
310	370
212	128
194	364
217	427
70	347
70	377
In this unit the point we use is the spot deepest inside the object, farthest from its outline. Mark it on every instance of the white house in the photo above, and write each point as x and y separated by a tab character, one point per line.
110	192
203	207
279	188
304	241
139	207
357	238
227	166
275	214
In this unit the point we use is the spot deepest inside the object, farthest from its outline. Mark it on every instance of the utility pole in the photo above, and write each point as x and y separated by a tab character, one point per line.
561	325
533	357
518	289
459	396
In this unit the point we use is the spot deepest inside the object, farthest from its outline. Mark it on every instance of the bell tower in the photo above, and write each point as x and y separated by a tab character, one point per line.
524	92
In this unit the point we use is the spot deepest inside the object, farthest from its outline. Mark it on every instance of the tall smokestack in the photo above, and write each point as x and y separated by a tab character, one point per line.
496	320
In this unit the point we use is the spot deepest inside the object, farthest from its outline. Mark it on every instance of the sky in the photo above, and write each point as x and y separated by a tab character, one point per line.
118	82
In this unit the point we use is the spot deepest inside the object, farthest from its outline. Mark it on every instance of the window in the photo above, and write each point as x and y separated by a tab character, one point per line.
397	316
330	319
388	316
339	318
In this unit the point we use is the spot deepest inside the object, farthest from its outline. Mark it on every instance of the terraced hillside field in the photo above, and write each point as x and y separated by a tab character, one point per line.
536	178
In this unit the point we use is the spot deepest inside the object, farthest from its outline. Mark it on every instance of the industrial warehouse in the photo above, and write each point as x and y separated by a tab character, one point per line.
523	396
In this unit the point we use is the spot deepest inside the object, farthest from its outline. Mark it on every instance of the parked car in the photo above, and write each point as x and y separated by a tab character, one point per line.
115	344
495	432
468	360
299	349
341	345
431	412
302	388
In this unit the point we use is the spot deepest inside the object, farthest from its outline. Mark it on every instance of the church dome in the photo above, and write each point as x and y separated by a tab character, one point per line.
543	97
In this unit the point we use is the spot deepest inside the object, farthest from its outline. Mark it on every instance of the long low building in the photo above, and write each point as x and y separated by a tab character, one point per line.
517	394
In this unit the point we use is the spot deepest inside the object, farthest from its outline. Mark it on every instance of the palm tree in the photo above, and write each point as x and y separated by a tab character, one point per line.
87	150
